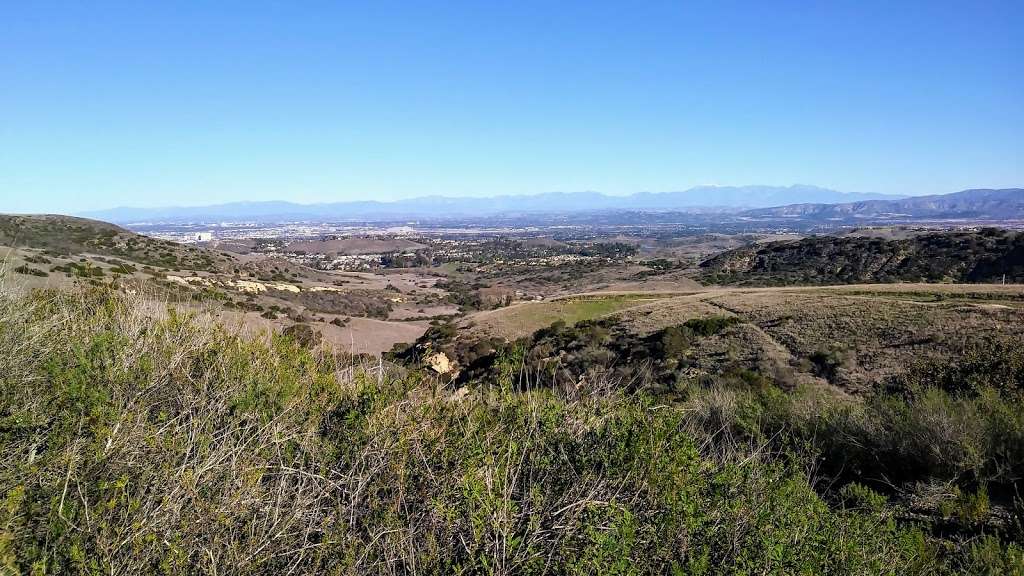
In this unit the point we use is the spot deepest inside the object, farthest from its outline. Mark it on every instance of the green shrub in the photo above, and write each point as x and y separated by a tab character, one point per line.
967	507
989	557
704	327
981	363
29	271
857	496
827	363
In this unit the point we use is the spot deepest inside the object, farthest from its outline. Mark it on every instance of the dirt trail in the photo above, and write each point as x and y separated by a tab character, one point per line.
775	352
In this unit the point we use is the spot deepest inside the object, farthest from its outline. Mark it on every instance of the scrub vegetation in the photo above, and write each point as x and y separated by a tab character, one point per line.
988	255
143	440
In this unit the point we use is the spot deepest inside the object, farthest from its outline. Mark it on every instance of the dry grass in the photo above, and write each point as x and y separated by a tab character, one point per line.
524	319
876	331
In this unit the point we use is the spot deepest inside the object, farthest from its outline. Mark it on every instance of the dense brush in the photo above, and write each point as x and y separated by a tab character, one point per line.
140	439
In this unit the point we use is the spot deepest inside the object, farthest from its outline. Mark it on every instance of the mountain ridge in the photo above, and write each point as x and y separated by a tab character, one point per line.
980	203
723	198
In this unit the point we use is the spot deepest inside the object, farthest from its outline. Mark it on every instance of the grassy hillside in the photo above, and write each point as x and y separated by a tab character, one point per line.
983	256
524	319
262	292
854	339
142	445
69	236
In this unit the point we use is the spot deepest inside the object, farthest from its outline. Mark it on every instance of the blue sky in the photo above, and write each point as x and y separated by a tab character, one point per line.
107	104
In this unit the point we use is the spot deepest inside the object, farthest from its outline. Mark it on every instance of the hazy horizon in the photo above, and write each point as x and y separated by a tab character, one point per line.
482	196
157	204
121	105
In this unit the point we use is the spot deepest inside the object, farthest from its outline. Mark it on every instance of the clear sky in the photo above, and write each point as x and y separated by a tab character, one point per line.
174	103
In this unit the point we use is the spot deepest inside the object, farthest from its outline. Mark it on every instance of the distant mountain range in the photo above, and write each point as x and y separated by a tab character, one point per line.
768	203
982	204
701	199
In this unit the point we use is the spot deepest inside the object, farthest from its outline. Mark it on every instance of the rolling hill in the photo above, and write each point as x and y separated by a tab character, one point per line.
984	256
65	236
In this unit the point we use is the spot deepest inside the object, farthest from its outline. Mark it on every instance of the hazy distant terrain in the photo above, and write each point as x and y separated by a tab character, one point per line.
722	198
1005	204
729	210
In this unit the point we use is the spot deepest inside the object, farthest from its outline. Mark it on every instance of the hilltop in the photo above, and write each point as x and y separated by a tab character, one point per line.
983	256
64	236
844	339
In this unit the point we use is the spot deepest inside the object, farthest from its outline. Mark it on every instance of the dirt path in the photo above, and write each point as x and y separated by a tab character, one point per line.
778	353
